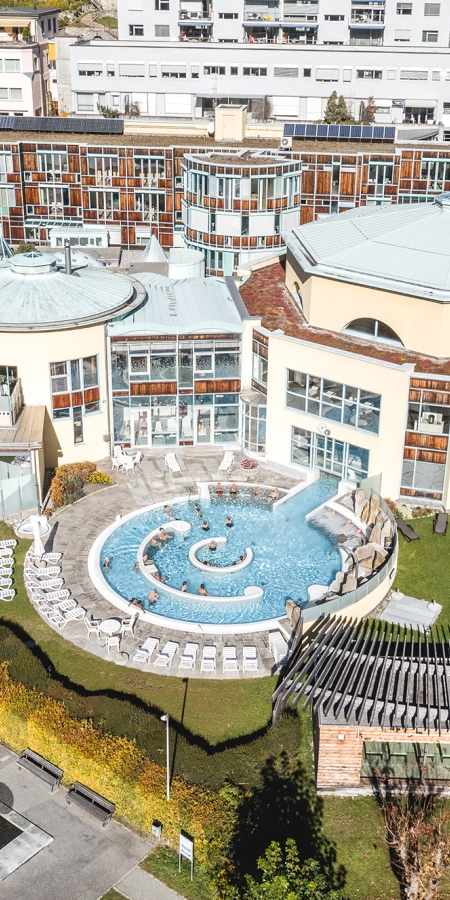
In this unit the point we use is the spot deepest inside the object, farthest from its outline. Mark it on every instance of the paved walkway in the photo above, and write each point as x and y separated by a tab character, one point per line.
408	612
75	528
139	885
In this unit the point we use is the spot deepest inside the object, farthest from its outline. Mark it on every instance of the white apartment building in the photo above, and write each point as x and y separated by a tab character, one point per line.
25	33
355	22
184	80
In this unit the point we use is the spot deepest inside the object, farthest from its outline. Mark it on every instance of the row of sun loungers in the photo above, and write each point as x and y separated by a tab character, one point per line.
164	657
7	592
174	467
47	591
440	524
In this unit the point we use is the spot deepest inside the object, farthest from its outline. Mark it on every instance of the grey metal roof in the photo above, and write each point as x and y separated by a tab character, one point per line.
405	249
181	306
35	294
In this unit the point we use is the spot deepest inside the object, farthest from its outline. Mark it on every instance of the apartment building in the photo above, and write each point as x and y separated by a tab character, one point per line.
25	85
187	81
354	22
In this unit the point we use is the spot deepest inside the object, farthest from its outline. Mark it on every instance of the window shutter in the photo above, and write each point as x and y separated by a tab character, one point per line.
132	70
285	71
413	74
323	74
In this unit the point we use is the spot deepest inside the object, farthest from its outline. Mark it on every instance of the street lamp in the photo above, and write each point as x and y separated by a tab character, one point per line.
165	719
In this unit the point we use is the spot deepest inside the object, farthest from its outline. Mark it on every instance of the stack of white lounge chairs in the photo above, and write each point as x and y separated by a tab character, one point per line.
45	586
7	592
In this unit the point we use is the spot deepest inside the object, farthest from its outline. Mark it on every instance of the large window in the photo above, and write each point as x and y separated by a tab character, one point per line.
105	202
422	476
149	205
52	165
332	400
149	169
55	198
103	168
435	172
254	427
74	385
345	460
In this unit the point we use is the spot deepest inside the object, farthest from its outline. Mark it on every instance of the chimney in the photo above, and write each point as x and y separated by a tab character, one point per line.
68	256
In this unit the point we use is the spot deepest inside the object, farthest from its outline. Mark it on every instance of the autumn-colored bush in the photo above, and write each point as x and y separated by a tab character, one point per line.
116	768
67	484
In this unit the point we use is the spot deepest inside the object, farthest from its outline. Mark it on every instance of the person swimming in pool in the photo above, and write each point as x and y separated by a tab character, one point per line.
168	512
229	522
240	560
106	564
161	578
162	535
206	562
147	561
212	545
136	566
184	587
198	511
255	492
152	597
273	495
135	602
219	489
233	491
202	591
205	526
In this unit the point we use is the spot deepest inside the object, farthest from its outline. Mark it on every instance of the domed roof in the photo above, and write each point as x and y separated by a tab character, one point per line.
404	248
37	295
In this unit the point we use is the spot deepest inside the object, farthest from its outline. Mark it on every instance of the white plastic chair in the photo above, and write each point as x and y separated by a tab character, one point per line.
93	626
145	652
188	657
165	657
128	464
138	458
278	647
229	659
208	663
127	626
171	462
249	660
227	461
113	642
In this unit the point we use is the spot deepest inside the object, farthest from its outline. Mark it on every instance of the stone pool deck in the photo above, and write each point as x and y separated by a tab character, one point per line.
75	528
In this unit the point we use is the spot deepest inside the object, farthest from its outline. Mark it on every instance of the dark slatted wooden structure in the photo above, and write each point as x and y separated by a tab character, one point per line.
369	674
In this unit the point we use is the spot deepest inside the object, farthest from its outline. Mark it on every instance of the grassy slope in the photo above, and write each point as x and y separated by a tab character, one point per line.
423	570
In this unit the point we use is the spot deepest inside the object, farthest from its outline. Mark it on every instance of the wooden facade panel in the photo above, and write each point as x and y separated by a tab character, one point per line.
92	395
219	386
307	182
159	388
348	182
323	182
60	401
430	441
77	398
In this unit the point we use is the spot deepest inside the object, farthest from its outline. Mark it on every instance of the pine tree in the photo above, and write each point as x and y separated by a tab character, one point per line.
330	112
342	113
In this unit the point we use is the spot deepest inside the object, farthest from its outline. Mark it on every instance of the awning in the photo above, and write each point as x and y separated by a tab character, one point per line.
14	22
299	27
421	104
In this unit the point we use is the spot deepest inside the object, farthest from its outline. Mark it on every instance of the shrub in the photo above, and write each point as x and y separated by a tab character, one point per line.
67	484
99	478
116	768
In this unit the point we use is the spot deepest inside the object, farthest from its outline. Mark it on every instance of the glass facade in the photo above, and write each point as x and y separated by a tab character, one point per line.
329	399
254	427
318	451
423	477
176	391
74	386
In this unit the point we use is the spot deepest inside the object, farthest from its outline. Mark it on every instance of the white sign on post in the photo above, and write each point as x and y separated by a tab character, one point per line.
186	849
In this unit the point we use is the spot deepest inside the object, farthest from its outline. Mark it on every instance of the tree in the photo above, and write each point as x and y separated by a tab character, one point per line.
107	112
24	247
330	111
417	832
342	113
367	115
284	877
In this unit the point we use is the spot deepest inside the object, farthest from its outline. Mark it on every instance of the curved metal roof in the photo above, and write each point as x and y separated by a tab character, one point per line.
37	295
404	249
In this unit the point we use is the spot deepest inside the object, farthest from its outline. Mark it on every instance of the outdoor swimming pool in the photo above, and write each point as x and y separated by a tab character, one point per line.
289	555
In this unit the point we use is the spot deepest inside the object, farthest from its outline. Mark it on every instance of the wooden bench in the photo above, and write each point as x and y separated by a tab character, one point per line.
83	796
41	767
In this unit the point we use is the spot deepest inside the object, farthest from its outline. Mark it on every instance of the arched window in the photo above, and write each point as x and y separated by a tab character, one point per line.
373	329
297	294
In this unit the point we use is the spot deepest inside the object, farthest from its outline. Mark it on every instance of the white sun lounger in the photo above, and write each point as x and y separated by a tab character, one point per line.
249	660
229	659
7	594
41	585
71	614
9	543
145	652
47	557
5	572
208	659
189	656
5	582
278	647
54	595
42	573
172	463
65	605
6	551
167	654
227	462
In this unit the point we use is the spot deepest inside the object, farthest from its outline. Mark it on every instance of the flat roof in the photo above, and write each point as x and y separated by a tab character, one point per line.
27	12
29	430
265	295
182	306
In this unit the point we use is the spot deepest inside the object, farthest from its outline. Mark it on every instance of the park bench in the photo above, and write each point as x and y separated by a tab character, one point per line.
40	767
91	801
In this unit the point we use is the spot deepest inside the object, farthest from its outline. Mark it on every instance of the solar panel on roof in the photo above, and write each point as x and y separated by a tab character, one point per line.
47	123
343	132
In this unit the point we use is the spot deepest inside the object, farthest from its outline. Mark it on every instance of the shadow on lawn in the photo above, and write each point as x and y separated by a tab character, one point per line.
284	805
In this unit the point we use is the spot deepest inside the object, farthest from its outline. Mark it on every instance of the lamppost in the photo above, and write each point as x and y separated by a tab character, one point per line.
165	719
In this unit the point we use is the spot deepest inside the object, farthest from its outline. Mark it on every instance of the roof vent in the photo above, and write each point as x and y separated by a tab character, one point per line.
443	200
33	263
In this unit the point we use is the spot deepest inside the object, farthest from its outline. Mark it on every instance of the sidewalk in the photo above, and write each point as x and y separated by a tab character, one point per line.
139	885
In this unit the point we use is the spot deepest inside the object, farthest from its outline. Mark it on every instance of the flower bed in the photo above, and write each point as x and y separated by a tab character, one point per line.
249	464
68	483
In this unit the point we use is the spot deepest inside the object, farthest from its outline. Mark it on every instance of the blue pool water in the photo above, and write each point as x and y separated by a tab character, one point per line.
289	555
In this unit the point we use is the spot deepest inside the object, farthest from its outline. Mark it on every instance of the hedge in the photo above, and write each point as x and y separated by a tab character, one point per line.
69	480
116	768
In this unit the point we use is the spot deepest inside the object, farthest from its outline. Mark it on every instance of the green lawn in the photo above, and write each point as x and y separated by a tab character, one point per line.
423	567
163	864
108	21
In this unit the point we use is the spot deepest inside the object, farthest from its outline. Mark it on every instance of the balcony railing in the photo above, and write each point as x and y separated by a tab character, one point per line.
366	42
186	16
10	404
